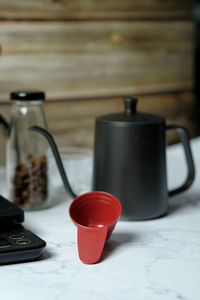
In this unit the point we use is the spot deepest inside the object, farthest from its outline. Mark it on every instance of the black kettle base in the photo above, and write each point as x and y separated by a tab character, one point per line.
142	218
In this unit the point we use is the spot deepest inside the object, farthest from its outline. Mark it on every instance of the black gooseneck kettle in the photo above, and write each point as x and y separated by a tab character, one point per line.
130	161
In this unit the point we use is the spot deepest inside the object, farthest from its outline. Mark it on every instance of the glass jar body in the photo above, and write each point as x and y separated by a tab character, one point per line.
28	183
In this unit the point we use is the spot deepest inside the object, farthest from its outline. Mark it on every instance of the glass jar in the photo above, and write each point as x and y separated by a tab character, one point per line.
27	153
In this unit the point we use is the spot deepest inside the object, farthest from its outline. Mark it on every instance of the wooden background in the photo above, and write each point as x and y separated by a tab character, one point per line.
86	55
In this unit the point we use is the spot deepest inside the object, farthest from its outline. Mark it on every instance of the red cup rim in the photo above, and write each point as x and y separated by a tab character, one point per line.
95	192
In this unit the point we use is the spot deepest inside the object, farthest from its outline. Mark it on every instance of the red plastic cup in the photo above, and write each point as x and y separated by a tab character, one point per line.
95	214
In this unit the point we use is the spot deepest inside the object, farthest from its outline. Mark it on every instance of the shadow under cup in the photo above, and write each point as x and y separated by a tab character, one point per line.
95	215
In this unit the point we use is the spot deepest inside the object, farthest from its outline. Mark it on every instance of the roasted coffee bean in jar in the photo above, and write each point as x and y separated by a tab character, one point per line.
30	183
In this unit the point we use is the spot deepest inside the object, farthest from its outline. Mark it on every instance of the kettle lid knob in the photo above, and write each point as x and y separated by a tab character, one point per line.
130	104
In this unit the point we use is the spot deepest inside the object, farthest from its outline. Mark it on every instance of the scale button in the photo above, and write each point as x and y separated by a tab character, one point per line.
23	242
4	244
16	235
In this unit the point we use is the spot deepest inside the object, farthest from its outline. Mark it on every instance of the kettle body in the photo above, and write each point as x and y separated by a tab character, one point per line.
130	163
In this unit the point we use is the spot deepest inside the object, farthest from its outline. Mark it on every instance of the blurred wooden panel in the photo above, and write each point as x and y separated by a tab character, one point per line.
90	9
105	59
72	122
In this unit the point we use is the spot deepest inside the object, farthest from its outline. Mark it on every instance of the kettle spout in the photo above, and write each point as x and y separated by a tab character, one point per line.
5	126
56	154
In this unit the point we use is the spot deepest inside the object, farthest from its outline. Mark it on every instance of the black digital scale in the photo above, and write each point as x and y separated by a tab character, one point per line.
16	243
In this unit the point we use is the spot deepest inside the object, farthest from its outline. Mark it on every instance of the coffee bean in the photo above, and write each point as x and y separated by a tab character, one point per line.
30	181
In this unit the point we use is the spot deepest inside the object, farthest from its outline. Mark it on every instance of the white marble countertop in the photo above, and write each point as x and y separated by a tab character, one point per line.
157	259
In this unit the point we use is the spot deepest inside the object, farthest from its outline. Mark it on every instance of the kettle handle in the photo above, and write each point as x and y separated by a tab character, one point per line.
184	137
56	154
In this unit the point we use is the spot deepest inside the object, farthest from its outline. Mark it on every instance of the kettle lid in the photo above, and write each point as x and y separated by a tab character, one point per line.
130	115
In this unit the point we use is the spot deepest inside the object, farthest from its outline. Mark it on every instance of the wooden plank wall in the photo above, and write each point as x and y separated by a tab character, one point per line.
86	55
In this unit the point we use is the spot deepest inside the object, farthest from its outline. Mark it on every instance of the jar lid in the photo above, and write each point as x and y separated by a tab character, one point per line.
130	115
27	95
